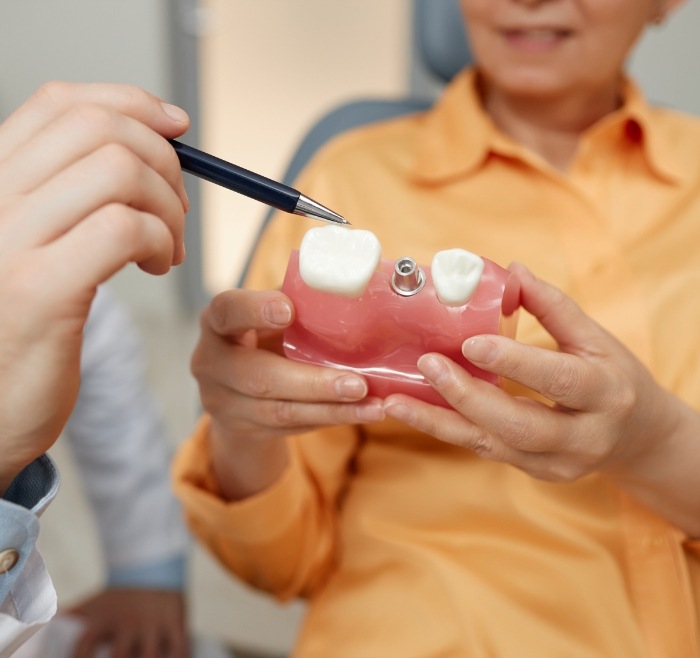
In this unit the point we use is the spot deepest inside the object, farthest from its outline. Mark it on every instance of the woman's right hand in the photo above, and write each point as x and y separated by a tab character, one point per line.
256	397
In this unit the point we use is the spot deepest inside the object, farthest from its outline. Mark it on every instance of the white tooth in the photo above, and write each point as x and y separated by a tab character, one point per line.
540	34
339	260
456	274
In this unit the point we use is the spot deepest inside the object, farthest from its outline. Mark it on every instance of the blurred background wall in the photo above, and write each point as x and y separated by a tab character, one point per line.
259	74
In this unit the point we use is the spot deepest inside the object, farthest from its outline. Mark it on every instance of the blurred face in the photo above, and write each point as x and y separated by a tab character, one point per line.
549	47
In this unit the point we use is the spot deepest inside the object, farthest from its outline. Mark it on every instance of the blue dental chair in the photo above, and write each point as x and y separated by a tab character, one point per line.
440	51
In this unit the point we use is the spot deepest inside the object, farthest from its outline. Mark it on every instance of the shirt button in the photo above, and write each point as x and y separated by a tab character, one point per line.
8	559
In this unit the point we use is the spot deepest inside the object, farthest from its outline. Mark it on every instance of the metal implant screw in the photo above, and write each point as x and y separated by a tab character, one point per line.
407	279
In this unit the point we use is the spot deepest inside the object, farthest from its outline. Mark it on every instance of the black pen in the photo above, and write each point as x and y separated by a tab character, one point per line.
252	185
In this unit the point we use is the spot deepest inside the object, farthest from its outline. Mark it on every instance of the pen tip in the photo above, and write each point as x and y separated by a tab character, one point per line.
314	210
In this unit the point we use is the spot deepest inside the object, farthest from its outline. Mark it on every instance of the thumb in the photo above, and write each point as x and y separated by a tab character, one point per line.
559	314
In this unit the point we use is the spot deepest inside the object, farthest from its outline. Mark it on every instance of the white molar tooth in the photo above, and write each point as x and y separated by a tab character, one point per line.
456	274
339	260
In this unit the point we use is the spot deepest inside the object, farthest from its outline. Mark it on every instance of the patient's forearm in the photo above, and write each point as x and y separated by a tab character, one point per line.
667	480
244	467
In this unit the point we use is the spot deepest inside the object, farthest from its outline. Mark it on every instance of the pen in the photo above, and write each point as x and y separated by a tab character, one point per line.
250	184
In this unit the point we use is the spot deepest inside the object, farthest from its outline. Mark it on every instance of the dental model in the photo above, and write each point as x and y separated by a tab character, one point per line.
376	317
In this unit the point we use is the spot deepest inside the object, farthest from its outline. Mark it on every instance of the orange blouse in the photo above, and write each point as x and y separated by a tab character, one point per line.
408	547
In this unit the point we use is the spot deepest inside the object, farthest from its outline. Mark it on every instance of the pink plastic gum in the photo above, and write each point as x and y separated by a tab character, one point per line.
381	334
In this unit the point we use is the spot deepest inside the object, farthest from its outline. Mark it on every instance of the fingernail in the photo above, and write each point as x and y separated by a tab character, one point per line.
521	270
277	312
351	387
370	413
399	411
433	368
175	113
480	350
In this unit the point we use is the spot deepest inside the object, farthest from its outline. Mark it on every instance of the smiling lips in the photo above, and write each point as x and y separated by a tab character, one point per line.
536	39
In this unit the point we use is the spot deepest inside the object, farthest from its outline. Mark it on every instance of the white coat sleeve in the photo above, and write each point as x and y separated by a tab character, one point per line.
27	595
119	440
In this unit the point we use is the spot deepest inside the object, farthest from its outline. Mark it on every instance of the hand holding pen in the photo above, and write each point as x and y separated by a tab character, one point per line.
87	185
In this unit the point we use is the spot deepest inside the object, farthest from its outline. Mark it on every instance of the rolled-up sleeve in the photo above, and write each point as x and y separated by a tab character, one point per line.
284	539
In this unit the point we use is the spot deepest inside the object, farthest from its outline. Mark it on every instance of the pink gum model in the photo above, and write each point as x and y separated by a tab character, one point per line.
381	334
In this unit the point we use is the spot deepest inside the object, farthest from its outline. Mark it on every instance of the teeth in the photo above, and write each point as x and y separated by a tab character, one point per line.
540	34
456	274
339	260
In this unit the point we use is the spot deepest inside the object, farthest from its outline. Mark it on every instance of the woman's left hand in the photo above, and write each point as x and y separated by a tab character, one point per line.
607	412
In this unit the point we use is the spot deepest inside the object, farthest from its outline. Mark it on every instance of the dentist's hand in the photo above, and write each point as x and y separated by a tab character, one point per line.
87	184
607	412
256	397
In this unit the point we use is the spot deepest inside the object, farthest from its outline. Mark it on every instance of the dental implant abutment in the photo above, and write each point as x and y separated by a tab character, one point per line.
407	279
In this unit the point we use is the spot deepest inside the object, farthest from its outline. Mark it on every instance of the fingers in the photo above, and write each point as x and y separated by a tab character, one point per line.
573	330
55	98
568	380
562	377
450	426
108	176
127	642
259	373
102	244
282	409
262	374
177	645
124	642
87	645
129	623
258	418
78	132
261	392
556	442
518	424
236	312
151	643
592	381
73	148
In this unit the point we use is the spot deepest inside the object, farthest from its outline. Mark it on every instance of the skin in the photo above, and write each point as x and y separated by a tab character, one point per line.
87	184
257	397
607	414
545	91
136	623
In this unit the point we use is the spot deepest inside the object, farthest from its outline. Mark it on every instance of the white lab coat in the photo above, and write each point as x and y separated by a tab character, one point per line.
27	596
120	445
119	440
